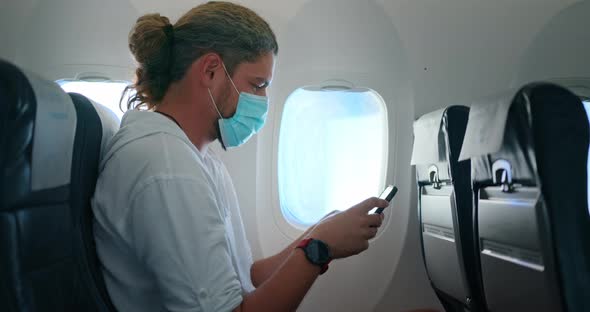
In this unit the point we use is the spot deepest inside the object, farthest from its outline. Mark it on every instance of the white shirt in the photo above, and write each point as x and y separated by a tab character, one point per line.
167	224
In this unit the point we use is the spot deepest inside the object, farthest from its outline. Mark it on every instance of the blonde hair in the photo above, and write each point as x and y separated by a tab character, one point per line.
164	51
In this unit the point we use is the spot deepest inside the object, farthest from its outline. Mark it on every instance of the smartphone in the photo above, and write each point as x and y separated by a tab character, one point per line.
388	195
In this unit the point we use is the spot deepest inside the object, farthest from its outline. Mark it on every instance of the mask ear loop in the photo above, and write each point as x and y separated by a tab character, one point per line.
220	117
230	80
214	105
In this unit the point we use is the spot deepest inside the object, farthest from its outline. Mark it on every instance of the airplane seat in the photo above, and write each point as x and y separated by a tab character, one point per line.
50	144
529	156
445	208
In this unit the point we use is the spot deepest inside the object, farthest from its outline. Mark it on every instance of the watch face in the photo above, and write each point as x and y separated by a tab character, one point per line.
318	252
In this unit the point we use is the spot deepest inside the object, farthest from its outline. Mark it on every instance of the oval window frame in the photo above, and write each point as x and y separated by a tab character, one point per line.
285	221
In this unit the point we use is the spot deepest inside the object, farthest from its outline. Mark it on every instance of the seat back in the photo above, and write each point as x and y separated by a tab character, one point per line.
528	153
445	207
50	145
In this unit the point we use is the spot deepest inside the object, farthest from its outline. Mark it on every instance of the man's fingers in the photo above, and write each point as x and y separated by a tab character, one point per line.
371	233
365	245
374	220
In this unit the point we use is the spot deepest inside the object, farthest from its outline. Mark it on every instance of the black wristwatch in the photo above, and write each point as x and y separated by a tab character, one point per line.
316	252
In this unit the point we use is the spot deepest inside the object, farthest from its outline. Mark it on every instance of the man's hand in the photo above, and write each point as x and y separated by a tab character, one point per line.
348	233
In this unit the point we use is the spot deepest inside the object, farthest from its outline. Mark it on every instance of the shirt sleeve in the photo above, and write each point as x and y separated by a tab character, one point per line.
178	233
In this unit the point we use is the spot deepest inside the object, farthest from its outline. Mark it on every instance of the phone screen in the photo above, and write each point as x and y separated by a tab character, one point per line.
388	195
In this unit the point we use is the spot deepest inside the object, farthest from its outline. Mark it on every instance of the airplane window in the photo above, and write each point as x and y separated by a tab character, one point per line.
107	93
332	151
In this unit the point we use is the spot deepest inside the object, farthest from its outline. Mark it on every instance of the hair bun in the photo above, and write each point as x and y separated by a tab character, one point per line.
147	39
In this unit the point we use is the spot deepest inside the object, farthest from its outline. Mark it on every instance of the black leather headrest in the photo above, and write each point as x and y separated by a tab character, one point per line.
16	136
432	153
500	134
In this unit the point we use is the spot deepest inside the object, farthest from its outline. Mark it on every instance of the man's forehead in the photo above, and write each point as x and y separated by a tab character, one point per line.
261	69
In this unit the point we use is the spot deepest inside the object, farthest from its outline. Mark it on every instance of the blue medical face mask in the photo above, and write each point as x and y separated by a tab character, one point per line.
249	118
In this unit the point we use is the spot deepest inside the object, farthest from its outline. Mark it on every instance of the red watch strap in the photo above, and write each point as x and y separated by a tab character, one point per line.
325	267
304	243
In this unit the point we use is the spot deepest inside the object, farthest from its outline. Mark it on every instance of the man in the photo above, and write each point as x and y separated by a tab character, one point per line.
167	223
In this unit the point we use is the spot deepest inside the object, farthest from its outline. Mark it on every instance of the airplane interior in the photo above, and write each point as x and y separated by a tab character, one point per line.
477	111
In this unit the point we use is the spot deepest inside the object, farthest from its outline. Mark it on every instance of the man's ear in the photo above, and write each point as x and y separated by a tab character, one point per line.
210	69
